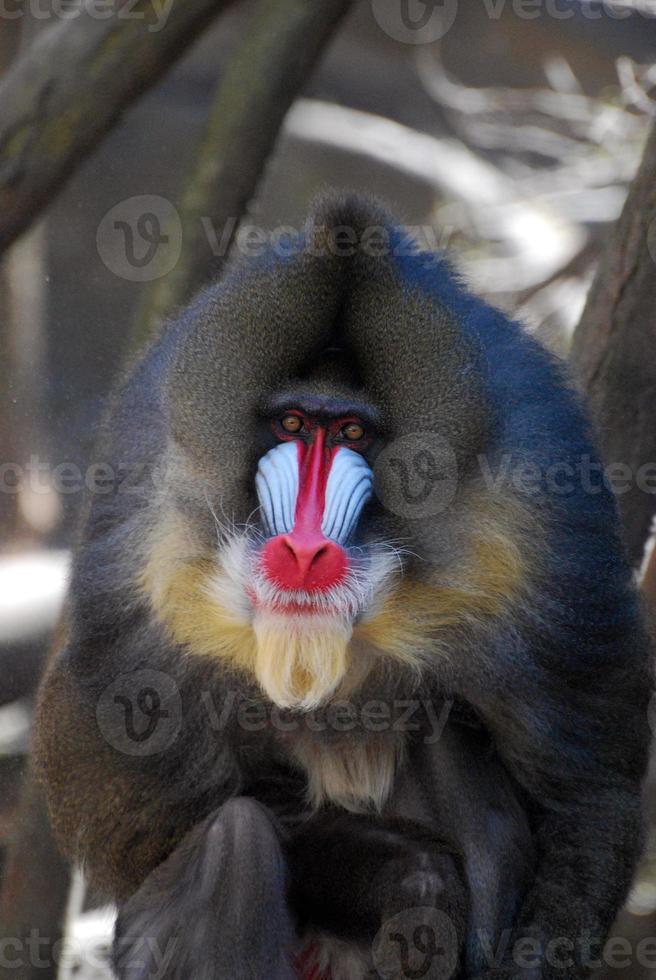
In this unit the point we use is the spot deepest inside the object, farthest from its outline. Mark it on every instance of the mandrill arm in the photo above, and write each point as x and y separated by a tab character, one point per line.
577	749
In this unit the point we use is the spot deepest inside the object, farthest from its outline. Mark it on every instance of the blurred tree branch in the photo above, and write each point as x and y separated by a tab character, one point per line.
61	97
614	350
263	77
614	358
649	579
9	516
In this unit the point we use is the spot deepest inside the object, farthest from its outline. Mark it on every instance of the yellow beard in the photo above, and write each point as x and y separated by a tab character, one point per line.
300	661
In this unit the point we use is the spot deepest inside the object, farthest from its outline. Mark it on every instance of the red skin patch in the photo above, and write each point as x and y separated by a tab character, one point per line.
306	560
306	967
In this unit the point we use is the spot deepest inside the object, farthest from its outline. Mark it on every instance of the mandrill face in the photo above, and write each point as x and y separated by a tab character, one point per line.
304	576
282	383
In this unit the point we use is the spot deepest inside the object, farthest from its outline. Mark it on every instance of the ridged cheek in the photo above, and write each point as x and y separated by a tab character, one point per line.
276	483
349	487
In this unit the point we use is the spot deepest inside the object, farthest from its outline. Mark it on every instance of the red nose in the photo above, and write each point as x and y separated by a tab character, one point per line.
295	562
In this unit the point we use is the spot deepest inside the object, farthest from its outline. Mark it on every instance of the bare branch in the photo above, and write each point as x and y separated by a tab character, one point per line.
648	578
614	350
67	90
263	77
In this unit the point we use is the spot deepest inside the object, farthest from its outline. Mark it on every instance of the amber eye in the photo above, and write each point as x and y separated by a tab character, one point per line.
353	432
291	423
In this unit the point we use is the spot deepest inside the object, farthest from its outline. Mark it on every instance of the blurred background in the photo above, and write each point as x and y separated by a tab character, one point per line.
506	132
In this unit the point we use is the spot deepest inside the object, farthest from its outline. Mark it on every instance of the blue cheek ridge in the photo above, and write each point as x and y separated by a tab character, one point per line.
276	483
349	487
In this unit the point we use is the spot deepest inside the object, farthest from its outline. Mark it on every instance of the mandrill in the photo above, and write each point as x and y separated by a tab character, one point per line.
356	676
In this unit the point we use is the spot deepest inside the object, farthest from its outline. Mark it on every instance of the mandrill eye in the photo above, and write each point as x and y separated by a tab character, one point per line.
352	432
291	423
